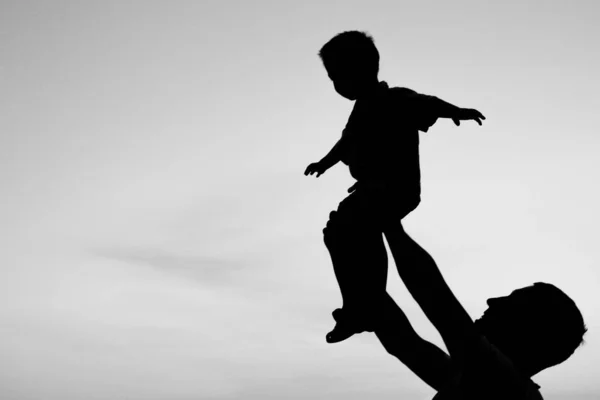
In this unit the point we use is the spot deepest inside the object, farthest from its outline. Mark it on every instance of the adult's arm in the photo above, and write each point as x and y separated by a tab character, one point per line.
423	358
426	284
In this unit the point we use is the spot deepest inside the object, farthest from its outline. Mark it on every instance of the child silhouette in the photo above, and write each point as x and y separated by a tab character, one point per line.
380	145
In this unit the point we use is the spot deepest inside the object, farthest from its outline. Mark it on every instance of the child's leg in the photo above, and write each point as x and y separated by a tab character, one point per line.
356	244
359	261
335	246
368	268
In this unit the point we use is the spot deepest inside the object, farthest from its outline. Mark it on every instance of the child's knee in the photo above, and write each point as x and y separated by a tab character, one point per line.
330	233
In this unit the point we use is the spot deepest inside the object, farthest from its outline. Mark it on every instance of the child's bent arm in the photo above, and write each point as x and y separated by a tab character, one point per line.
334	156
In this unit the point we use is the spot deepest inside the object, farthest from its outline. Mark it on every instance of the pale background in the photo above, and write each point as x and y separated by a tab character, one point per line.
160	240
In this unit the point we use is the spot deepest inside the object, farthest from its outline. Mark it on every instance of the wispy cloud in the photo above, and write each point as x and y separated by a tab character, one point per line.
206	270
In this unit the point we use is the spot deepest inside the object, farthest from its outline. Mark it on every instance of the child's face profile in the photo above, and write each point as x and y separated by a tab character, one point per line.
345	82
345	87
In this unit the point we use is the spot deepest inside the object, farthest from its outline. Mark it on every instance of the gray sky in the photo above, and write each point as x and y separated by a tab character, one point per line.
161	241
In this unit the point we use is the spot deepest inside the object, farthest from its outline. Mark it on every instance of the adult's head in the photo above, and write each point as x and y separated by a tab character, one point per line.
537	326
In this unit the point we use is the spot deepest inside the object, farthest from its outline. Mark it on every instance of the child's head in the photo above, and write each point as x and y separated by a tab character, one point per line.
352	62
536	327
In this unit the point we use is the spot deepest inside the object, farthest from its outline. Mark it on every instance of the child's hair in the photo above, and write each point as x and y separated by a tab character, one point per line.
559	322
351	49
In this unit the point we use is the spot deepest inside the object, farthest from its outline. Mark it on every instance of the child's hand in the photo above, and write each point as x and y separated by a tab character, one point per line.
465	114
316	167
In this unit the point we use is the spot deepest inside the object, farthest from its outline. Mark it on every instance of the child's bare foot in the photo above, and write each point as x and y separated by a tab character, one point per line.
340	332
343	328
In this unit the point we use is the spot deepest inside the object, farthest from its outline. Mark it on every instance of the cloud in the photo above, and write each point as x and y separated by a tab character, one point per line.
211	271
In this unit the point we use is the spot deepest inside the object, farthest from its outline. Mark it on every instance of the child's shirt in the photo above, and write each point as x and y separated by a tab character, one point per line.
382	141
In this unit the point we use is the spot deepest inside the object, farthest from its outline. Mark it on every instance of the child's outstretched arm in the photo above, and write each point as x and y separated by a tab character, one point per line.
424	109
444	109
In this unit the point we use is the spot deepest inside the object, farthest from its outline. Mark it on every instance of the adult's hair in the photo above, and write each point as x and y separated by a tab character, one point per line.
355	50
557	324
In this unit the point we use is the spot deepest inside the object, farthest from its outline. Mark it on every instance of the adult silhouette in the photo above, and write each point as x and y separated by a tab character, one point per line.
494	357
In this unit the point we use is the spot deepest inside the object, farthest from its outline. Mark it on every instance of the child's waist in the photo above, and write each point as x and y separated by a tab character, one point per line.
392	187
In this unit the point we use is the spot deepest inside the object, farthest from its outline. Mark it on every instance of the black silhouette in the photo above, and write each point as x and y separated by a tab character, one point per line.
520	335
533	328
380	145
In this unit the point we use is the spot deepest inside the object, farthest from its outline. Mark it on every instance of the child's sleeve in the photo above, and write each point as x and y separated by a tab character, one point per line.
418	109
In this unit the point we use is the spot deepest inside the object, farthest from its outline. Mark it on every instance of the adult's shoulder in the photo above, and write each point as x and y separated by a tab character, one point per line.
489	368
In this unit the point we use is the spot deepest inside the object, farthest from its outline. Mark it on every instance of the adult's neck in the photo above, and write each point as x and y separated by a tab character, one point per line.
524	363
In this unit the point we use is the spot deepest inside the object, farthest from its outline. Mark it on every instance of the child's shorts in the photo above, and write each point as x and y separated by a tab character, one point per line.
372	207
